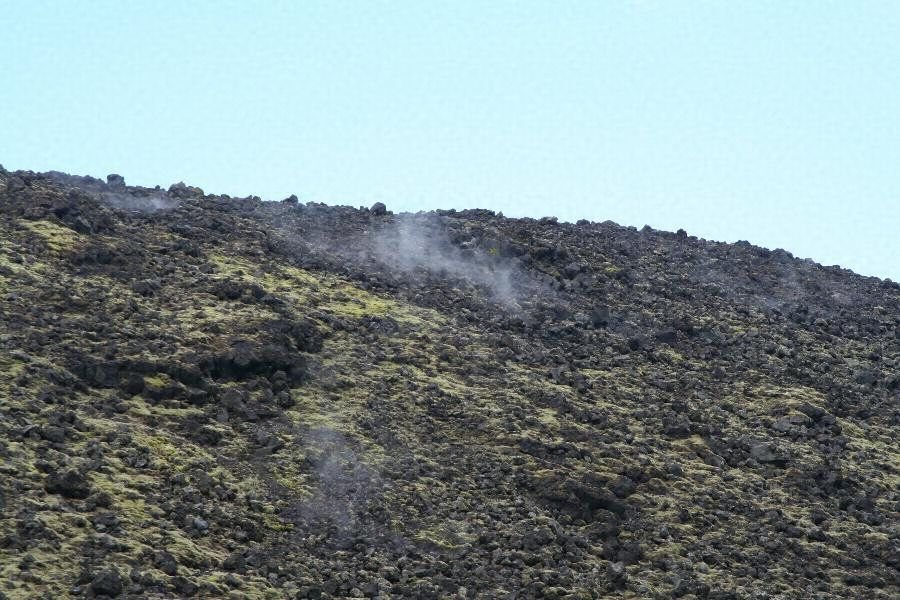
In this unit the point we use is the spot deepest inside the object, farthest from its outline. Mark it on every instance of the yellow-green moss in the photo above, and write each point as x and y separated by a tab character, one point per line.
327	292
157	380
175	457
57	237
276	524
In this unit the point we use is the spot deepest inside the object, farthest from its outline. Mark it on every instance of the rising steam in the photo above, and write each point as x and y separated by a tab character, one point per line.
418	245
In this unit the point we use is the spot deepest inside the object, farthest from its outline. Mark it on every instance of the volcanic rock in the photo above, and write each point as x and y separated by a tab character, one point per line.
207	396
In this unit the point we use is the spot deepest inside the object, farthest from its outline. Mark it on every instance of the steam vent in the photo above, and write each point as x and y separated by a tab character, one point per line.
213	397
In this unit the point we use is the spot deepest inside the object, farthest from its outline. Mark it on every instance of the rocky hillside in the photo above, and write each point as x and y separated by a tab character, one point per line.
206	396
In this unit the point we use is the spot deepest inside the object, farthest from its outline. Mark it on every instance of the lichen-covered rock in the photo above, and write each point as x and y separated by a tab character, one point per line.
205	396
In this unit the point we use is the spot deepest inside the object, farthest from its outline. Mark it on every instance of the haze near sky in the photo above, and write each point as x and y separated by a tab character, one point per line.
777	122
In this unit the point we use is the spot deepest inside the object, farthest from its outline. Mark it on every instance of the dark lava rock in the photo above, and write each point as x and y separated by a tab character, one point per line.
617	574
600	316
184	586
667	336
767	453
623	487
115	181
234	562
813	412
322	401
165	562
69	484
107	583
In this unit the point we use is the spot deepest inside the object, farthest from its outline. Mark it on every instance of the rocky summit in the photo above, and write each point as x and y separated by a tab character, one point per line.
217	397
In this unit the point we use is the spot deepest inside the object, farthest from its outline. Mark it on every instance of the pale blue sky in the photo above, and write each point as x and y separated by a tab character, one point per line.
772	121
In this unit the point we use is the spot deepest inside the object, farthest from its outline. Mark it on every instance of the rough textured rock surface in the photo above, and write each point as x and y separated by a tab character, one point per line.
206	396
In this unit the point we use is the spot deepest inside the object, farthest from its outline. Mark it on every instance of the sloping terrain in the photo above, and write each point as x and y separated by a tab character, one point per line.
205	396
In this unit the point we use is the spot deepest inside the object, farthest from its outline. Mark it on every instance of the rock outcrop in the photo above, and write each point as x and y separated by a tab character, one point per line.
206	396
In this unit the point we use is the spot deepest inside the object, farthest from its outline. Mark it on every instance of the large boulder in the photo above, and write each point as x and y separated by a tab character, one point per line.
766	452
108	583
68	484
